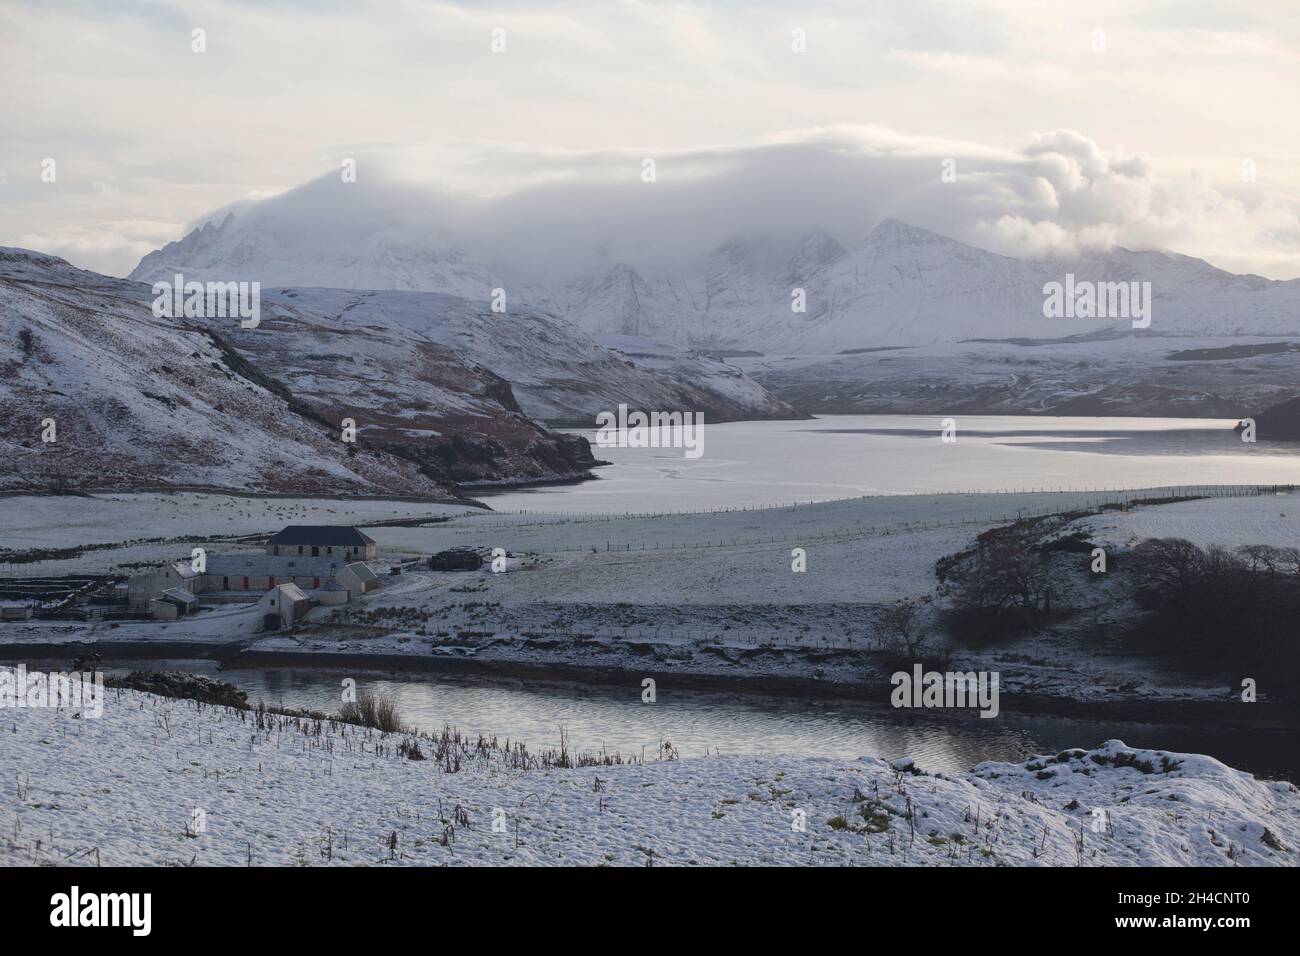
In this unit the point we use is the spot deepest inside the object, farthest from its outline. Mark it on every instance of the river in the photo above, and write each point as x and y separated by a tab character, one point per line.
612	719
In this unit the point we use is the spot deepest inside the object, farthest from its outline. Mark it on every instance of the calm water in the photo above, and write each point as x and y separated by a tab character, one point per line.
616	720
847	456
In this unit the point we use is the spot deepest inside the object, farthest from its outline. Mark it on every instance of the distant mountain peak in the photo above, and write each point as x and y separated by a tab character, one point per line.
896	232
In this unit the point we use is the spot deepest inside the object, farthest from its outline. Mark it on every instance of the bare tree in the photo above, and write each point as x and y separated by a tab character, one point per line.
1006	569
1169	567
1271	559
907	624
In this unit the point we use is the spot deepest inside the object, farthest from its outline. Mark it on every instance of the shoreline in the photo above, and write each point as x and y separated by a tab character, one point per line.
1277	714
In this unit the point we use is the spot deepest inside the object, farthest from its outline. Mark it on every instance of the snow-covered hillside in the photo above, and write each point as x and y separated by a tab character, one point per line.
556	371
1150	376
137	401
158	781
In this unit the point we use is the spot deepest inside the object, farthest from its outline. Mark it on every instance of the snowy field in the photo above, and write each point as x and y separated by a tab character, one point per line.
130	530
156	781
1228	522
793	525
712	595
170	523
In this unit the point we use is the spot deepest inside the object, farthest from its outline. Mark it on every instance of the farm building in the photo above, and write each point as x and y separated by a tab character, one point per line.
303	555
363	573
173	603
261	572
355	579
332	593
227	576
143	588
281	606
15	611
314	540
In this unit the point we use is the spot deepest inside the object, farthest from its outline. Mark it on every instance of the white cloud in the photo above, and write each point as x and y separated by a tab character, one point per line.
147	131
573	211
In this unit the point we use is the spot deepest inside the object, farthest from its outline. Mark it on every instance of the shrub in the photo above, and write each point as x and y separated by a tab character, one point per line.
373	710
1214	608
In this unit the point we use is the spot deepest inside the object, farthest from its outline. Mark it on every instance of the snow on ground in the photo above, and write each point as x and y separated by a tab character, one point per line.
793	525
1228	522
156	781
221	624
33	522
132	523
709	594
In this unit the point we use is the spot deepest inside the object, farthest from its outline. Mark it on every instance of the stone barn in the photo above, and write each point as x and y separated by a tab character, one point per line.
258	573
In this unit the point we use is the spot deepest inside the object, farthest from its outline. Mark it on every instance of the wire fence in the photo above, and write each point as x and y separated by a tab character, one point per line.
1180	491
1102	499
481	524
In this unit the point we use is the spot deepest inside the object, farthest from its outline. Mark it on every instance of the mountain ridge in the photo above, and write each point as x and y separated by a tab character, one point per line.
901	285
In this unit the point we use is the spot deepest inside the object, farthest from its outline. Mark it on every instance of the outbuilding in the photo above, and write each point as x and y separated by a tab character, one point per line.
173	603
15	611
333	593
147	587
282	606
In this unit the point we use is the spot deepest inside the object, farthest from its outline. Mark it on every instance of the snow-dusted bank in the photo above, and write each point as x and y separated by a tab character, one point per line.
163	781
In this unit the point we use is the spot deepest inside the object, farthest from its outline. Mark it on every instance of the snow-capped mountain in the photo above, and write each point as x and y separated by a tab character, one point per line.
909	286
901	285
287	242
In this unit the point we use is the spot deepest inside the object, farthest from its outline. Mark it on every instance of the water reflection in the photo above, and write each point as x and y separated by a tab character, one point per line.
615	720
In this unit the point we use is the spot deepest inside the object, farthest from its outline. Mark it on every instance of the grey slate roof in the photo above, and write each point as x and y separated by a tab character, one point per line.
322	535
290	591
363	571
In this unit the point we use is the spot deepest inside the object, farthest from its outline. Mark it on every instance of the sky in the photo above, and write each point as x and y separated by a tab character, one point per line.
1023	127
